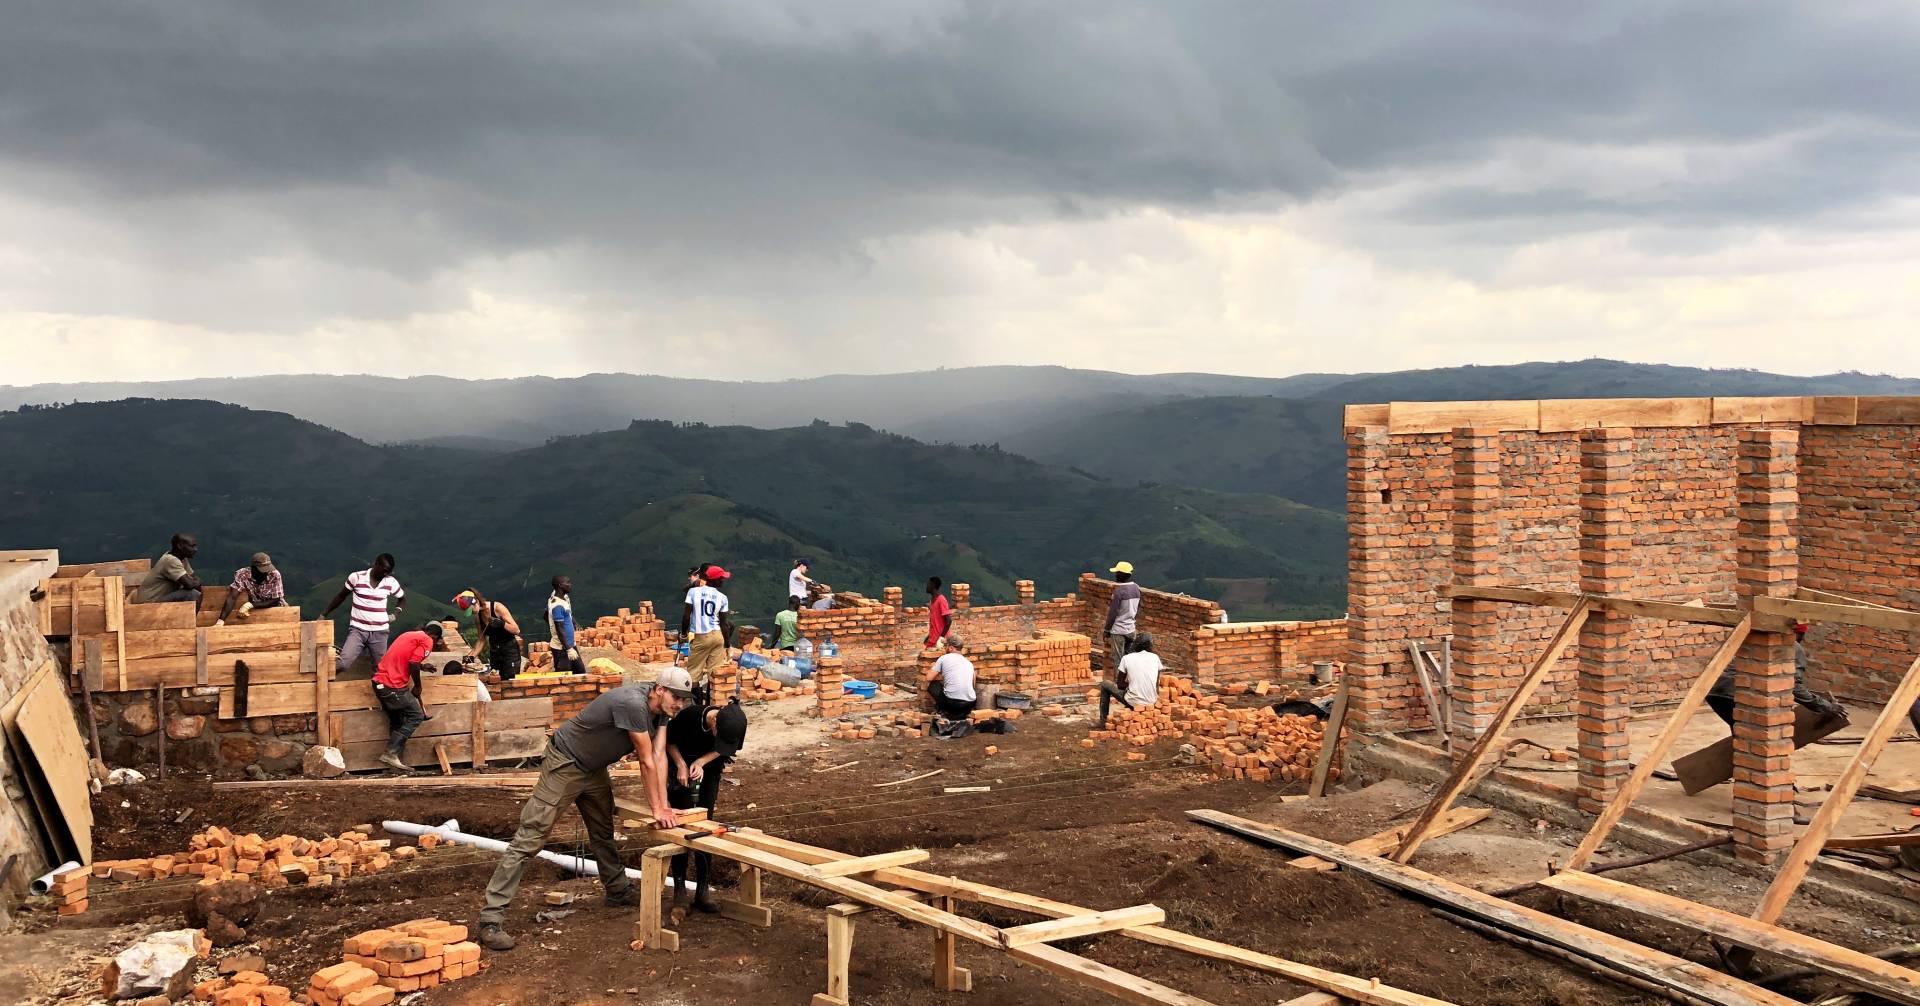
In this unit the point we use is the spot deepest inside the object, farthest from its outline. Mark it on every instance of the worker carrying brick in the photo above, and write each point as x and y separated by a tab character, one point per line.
950	681
497	631
256	585
566	657
368	620
396	683
939	613
1138	684
1123	613
171	577
1720	696
631	719
701	743
707	625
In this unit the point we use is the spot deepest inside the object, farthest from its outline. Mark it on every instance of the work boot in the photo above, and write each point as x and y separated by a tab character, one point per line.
393	761
626	897
494	938
703	901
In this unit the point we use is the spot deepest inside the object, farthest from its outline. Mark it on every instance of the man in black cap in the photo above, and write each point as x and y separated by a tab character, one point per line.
701	741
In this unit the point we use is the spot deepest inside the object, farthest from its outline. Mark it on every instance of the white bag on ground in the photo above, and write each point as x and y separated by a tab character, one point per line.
153	966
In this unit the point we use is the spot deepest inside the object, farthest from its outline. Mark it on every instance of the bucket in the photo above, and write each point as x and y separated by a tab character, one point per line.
864	689
1012	700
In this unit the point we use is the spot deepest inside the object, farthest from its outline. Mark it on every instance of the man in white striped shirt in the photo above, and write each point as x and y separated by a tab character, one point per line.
368	621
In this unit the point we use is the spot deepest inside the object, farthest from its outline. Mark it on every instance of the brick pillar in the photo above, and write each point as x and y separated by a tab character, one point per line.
1025	589
1371	644
1604	692
1478	678
894	596
963	595
1769	566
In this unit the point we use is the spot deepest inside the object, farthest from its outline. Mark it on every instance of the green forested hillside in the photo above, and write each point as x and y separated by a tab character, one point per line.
626	512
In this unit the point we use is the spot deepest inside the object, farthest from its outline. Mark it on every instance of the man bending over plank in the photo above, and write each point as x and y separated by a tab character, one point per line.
631	719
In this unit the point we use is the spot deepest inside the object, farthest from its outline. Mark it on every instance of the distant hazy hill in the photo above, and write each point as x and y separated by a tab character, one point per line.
627	511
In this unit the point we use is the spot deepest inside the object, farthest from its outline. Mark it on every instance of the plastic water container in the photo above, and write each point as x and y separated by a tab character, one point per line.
803	649
801	666
682	649
864	689
781	672
753	661
829	648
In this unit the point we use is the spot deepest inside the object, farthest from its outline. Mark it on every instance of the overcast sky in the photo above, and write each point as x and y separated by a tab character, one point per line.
787	189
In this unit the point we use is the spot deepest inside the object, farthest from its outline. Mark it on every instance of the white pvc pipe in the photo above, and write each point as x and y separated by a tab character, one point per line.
44	884
451	832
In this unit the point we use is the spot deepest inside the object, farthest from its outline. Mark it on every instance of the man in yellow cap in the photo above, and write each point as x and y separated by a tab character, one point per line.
1123	614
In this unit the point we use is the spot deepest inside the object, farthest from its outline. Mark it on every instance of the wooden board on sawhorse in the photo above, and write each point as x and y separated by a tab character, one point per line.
947	975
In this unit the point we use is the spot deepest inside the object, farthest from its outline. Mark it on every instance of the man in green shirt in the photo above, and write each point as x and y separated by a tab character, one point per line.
172	577
788	625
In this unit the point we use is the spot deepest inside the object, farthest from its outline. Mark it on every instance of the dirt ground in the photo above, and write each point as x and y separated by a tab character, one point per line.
1061	821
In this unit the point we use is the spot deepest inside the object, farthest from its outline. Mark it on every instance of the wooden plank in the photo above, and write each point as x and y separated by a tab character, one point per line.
323	695
1561	415
221	640
647	930
282	699
1364	415
123	567
1643	770
1829	597
363	756
1381	843
1466	772
839	955
440	755
1712	765
477	746
1794	868
1672	611
51	827
1892	619
1784	409
1315	999
1887	410
1330	739
868	864
267	667
1445	417
948	975
1053	930
45	721
117	625
1361	990
92	650
1833	410
1425	680
1879	841
160	735
1888	980
1645	963
450	721
1113	981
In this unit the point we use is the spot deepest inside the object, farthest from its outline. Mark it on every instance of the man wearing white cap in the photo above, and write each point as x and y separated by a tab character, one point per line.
1123	613
631	719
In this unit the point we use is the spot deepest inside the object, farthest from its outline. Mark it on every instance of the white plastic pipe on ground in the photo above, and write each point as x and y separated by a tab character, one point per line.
451	832
42	885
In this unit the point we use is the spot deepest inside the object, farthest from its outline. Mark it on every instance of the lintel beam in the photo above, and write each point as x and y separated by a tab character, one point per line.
1793	609
1671	611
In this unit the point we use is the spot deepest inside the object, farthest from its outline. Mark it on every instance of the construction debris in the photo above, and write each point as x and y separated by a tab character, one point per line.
1237	743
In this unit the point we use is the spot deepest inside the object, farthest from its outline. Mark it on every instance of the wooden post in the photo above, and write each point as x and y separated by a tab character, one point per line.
91	649
947	975
1798	861
1466	772
653	887
1330	739
440	755
242	682
323	694
747	907
839	954
200	655
159	714
1642	771
116	601
479	758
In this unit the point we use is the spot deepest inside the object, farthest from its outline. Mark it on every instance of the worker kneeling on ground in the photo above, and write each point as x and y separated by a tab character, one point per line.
631	719
950	681
396	683
1139	685
701	742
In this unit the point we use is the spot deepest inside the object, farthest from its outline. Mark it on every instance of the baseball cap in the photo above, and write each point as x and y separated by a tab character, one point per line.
1122	566
675	680
262	560
803	562
729	730
464	600
714	573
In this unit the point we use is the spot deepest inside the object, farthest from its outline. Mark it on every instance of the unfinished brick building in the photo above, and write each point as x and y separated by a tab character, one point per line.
1772	509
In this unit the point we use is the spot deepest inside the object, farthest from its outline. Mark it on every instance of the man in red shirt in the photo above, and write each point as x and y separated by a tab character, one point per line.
396	684
939	613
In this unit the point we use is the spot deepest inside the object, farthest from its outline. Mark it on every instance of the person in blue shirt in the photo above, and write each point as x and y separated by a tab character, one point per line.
566	657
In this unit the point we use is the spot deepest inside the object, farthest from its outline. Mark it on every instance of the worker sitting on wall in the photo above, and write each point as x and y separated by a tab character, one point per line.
950	681
1139	679
631	719
396	683
172	577
256	585
1720	697
701	742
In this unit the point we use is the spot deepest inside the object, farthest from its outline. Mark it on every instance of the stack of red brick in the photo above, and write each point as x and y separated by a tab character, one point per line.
636	634
217	854
381	963
570	692
69	890
247	988
1250	743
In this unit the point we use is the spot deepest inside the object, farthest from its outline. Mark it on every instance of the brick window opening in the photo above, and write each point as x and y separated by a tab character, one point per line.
1386	495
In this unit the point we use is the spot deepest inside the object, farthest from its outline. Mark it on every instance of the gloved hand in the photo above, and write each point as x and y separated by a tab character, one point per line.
219	622
573	654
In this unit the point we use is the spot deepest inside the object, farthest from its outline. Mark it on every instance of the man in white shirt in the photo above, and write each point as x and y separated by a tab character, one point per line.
950	681
1139	685
798	582
368	620
707	625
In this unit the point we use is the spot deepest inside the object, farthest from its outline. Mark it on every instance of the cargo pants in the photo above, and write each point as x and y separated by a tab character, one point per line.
561	782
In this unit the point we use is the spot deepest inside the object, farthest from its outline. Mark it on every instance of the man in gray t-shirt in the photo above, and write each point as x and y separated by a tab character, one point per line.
631	719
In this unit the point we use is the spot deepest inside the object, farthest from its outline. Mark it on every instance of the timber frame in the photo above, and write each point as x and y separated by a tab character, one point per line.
1566	415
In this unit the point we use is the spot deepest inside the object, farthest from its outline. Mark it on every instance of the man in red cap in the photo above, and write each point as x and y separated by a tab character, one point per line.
707	625
1720	696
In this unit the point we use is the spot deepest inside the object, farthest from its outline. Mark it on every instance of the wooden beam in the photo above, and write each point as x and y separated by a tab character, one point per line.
1891	619
1381	843
479	744
1082	925
1738	411
1829	597
323	694
200	656
1671	611
648	931
948	975
1794	869
1113	981
1890	981
1445	417
1886	410
1643	770
1425	681
440	755
868	864
1833	410
1646	963
839	954
1466	771
1315	999
1880	841
1563	415
1330	739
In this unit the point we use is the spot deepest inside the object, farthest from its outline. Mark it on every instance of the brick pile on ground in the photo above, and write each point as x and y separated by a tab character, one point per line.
380	964
914	723
1248	743
635	633
69	891
216	854
247	988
